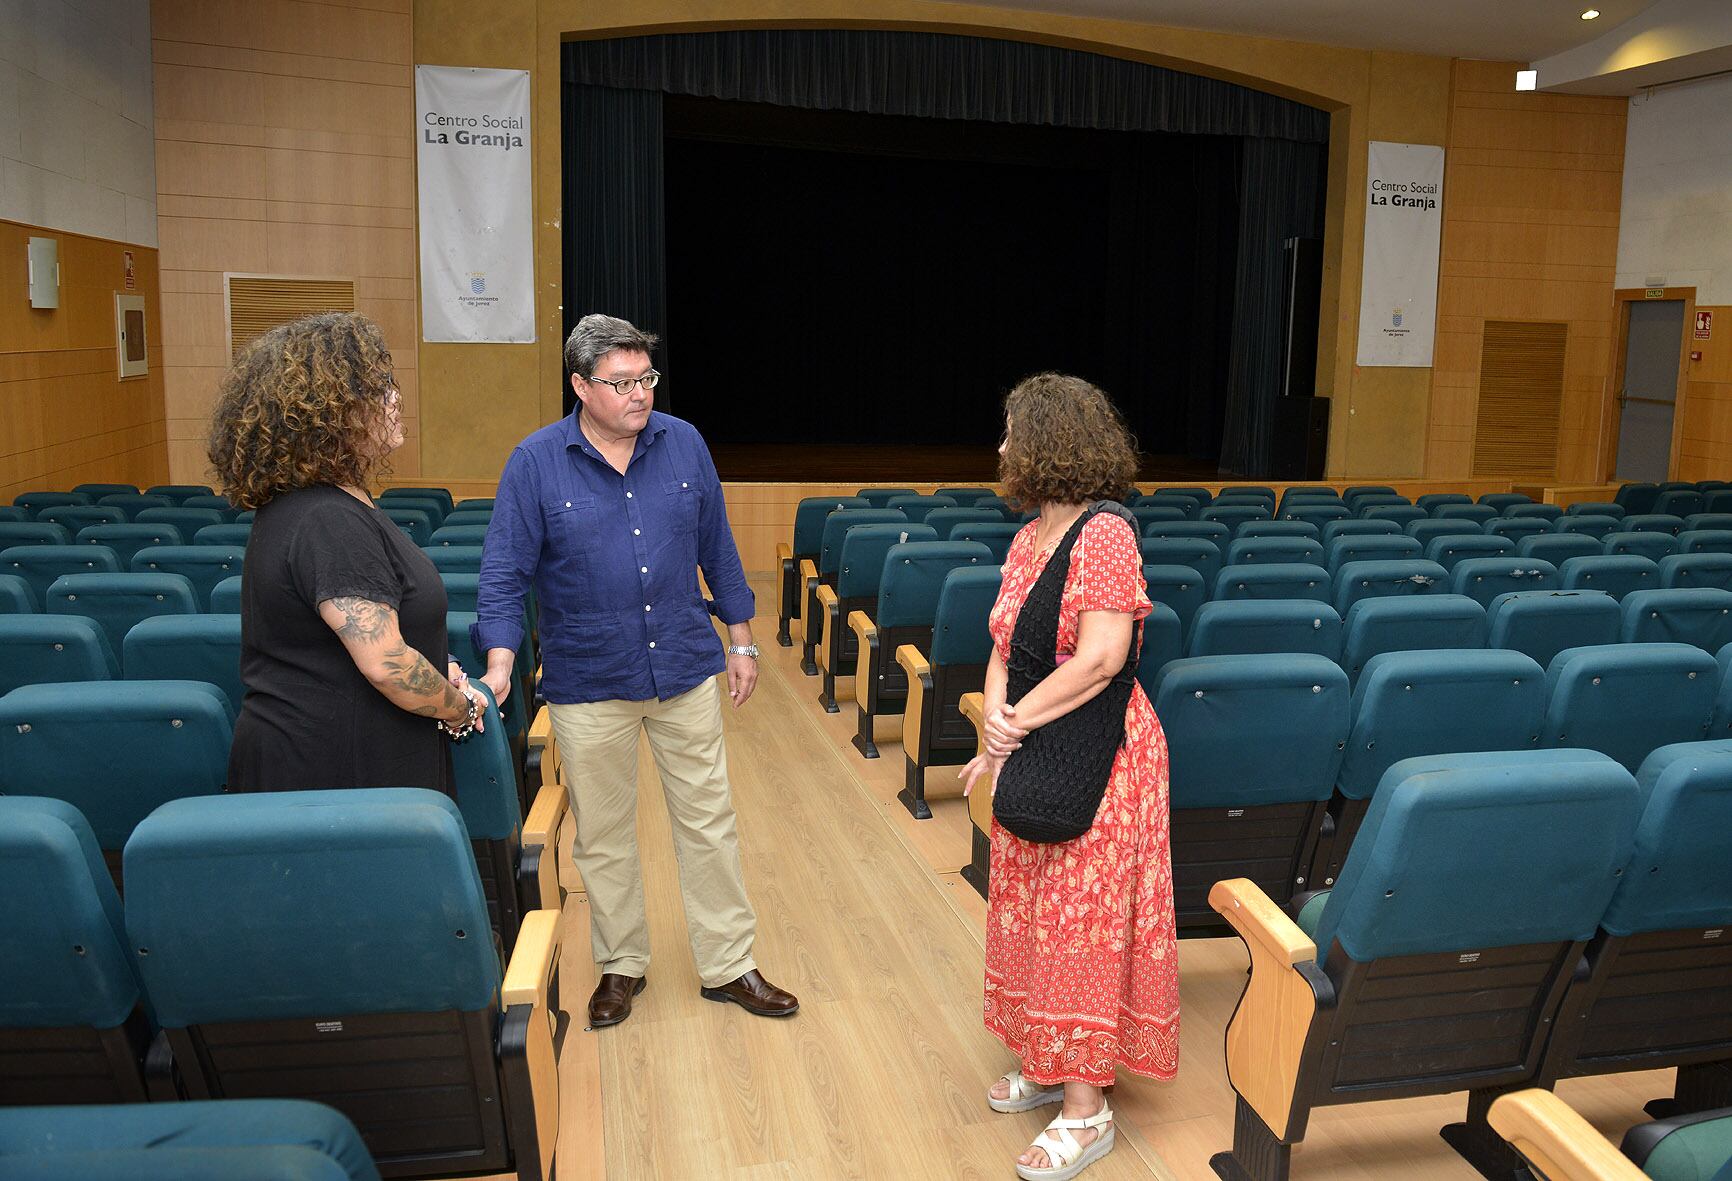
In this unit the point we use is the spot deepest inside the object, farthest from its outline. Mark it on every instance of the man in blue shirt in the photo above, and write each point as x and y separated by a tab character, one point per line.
610	513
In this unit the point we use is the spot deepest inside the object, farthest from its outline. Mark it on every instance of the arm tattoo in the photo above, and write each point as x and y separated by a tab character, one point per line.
412	674
364	621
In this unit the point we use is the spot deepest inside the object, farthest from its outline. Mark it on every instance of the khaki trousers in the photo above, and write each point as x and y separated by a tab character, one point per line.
598	743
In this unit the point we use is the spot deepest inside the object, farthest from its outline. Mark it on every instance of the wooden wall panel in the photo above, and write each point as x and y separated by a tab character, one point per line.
65	416
1707	434
1530	232
285	146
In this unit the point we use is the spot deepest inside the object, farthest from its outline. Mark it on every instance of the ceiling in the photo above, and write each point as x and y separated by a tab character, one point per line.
1493	30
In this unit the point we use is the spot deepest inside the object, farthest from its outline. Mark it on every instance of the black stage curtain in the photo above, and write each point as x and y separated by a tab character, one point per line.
616	250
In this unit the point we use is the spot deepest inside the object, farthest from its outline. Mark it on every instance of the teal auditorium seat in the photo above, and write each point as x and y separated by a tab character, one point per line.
1652	523
15	596
38	649
1542	623
1318	513
1149	514
1163	641
1427	531
1480	513
1598	508
1273	580
915	508
474	504
1248	808
127	540
1190	506
1254	551
822	572
73	517
1652	545
1277	529
1354	492
1437	702
1370	580
1307	494
1196	492
1202	556
967	496
1701	616
459	635
994	536
1371	547
1705	541
859	575
1432	500
132	503
447	535
934	732
1586	524
40	565
1652	991
187	648
1411	977
1680	502
1694	1147
1244	627
1409	623
259	1139
1180	587
1213	532
1544	512
37	501
1518	528
1616	574
212	501
1400	515
225	596
245	517
1234	515
13	514
416	523
1637	497
14	532
454	559
72	1026
1362	505
461	591
881	497
1626	700
115	750
116	602
1484	579
1697	521
1557	548
179	492
1447	551
1694	570
203	565
343	937
188	520
433	510
229	535
101	490
442	495
1253	498
809	517
945	521
911	578
482	517
1357	527
1502	500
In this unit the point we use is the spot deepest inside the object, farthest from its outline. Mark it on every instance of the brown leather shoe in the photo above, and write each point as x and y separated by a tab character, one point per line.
610	1003
756	995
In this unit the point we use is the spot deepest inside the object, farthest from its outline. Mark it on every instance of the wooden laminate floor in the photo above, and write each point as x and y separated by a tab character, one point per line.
883	1072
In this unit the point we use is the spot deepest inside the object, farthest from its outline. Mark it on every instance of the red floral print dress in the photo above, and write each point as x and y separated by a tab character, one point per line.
1082	961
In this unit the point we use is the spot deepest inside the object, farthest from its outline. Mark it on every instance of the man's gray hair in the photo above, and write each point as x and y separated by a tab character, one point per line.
596	336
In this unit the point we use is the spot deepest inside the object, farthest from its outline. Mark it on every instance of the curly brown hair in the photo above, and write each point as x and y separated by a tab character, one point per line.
301	406
1066	443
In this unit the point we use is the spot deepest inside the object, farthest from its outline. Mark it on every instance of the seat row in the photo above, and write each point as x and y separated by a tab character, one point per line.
1503	921
329	945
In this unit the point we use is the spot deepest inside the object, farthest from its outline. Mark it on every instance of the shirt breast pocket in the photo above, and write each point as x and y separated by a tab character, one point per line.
571	527
685	502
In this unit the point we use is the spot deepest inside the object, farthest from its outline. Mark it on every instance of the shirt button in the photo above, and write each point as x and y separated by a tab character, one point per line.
646	606
636	532
628	496
568	504
652	643
643	569
685	485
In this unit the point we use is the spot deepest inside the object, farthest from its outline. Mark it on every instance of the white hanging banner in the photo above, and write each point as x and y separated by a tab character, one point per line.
476	209
1403	230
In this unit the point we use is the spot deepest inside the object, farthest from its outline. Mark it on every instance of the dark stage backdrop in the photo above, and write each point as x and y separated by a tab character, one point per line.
892	224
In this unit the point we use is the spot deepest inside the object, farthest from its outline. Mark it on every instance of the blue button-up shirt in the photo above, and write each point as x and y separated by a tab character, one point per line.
614	560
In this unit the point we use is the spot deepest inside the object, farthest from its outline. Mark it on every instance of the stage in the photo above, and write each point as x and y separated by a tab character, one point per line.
911	464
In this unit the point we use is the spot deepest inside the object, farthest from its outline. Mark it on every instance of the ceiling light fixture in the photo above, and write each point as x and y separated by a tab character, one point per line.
1527	79
1591	14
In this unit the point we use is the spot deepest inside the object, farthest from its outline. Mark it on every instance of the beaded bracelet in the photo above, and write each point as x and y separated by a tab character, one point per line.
467	727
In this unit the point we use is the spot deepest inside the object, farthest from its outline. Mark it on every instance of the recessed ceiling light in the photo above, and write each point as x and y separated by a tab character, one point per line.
1591	14
1527	79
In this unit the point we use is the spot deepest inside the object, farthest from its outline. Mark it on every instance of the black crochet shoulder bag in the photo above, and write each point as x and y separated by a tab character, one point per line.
1051	787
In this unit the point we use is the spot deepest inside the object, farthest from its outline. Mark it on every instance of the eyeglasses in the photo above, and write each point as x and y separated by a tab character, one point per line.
625	385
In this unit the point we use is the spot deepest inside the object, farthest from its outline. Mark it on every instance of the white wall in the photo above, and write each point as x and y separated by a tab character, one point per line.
1677	212
77	129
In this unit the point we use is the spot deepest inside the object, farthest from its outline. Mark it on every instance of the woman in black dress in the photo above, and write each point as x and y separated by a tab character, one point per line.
342	616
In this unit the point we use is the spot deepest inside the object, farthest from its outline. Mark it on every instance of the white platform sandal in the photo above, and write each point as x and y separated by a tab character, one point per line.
1067	1156
1025	1094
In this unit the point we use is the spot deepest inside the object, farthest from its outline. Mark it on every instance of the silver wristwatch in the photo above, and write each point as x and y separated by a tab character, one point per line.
748	650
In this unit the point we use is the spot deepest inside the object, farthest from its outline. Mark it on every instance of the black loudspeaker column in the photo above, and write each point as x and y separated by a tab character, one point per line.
1301	439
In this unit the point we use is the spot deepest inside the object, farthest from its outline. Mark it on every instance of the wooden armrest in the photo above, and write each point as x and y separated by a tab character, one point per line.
1557	1141
1267	1035
784	552
913	663
826	597
541	826
1258	920
541	728
861	625
973	707
530	971
808	570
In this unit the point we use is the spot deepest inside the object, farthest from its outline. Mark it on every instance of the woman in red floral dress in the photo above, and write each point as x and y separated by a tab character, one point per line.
1081	956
